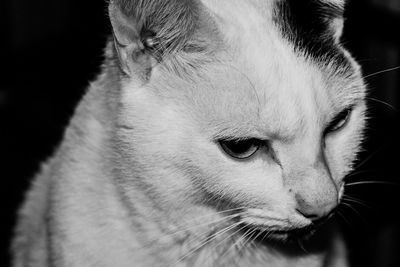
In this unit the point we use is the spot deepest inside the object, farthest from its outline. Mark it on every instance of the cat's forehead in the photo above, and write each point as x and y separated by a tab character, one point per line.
277	32
289	102
269	79
310	26
283	104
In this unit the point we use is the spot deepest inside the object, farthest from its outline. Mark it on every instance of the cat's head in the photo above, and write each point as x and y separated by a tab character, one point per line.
238	104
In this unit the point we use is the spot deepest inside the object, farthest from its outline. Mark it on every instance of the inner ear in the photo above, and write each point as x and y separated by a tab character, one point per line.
131	44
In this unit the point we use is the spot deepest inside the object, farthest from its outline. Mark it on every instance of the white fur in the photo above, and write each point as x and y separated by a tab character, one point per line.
137	160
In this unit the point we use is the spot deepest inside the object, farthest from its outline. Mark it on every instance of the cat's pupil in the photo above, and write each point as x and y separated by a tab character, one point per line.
240	148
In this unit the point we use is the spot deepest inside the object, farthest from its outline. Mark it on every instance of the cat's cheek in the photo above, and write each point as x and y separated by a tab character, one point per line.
338	159
246	184
341	151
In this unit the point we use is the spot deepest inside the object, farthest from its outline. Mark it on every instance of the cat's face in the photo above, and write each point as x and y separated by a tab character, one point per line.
268	127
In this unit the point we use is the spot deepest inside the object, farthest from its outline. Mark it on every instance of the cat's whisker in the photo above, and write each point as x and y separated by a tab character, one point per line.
357	173
206	232
301	245
353	209
266	234
227	237
367	158
365	59
248	242
382	102
253	239
235	243
221	219
258	235
372	182
381	72
341	215
197	226
365	204
230	210
246	238
242	237
206	241
357	201
214	214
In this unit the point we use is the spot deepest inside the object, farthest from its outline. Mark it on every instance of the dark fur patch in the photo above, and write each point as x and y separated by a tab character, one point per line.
307	24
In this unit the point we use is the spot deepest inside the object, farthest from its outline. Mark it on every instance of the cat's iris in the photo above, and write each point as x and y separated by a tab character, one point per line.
339	121
240	148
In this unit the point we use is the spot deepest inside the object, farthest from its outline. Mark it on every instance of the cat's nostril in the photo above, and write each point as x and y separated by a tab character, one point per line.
311	216
316	219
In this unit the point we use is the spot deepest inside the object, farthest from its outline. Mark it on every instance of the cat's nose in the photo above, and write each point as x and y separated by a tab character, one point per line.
315	211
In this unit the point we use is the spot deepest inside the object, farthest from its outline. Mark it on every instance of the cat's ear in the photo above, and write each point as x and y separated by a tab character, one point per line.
132	56
144	31
337	22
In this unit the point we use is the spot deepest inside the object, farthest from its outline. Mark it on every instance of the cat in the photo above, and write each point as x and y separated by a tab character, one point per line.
218	133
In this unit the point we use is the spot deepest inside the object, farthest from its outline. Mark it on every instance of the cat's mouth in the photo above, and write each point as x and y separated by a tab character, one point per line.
261	233
285	231
294	234
275	228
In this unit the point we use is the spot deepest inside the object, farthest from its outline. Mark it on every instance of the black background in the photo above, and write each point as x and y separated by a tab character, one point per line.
51	49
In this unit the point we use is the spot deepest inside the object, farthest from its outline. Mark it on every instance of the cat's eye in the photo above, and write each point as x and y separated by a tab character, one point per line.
339	121
241	148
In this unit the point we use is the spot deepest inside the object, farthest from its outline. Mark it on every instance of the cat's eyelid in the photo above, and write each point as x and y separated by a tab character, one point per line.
240	138
348	109
348	105
344	114
222	136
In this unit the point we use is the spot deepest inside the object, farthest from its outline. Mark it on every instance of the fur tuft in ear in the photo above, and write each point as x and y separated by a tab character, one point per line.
132	56
144	31
336	26
332	11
